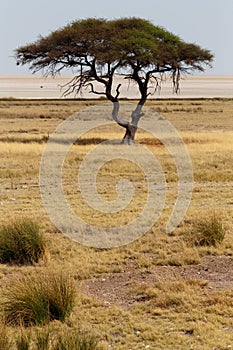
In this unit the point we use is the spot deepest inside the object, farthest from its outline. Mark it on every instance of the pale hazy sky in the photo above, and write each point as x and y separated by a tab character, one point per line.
209	23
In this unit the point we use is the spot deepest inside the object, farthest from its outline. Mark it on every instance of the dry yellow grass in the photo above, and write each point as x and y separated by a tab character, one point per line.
173	315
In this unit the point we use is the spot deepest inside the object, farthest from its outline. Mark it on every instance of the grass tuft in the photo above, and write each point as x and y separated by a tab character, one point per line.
36	300
21	243
208	231
60	292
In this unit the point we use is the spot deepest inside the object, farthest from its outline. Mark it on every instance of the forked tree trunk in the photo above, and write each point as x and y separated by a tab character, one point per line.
131	127
129	134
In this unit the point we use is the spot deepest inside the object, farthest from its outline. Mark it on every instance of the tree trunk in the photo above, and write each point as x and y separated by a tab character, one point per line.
131	127
129	136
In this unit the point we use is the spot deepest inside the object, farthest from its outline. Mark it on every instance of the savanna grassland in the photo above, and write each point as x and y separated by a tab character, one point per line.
163	291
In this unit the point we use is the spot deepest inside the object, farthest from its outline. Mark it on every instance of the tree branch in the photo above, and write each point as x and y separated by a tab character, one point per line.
94	91
115	116
117	91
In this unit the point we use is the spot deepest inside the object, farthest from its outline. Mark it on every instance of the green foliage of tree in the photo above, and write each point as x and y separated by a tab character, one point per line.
100	49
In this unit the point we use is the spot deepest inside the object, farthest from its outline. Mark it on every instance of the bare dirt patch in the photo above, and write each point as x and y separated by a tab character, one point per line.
116	288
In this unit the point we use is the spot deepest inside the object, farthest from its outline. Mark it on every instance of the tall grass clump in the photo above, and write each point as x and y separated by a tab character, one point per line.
60	291
38	299
208	231
21	242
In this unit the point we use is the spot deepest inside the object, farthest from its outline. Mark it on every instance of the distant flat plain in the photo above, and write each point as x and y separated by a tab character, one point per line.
36	87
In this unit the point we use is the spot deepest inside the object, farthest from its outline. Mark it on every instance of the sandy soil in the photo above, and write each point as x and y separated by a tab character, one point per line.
31	86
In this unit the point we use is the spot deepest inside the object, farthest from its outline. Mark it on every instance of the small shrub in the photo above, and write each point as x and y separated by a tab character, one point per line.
21	243
75	341
36	300
208	231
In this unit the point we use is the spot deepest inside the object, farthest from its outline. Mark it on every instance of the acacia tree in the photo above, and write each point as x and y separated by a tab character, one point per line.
98	50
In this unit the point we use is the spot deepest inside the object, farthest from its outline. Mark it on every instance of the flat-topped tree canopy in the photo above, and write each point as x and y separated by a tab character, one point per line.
99	49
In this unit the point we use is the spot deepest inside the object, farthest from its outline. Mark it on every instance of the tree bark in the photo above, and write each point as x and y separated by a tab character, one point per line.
131	127
129	136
